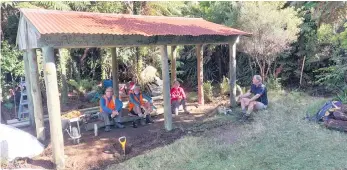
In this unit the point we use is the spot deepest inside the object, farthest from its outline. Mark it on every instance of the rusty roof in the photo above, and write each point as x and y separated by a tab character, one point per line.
72	22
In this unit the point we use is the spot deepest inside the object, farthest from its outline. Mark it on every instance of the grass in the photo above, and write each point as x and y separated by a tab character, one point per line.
278	138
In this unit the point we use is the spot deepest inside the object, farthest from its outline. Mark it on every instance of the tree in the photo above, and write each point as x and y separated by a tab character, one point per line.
11	62
273	29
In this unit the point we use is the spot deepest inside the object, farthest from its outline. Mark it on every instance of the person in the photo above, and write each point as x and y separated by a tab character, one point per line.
110	109
178	98
258	102
138	107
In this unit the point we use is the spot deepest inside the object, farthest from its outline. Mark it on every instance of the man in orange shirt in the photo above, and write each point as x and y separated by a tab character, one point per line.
138	107
110	108
178	98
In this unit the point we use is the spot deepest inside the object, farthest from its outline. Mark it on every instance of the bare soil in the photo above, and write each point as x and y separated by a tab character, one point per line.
97	152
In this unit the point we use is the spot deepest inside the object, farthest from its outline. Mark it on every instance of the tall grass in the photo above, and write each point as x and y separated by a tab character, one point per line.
278	138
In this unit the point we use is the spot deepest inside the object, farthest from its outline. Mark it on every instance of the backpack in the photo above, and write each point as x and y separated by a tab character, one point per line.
327	109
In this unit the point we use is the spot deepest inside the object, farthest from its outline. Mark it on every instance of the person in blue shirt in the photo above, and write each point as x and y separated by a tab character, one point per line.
110	109
138	107
259	100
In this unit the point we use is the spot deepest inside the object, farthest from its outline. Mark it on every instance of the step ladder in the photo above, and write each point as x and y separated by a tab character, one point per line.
23	111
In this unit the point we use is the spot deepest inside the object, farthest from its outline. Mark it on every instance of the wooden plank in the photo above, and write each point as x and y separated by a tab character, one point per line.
53	104
115	71
232	72
36	95
102	40
200	73
166	88
28	88
173	63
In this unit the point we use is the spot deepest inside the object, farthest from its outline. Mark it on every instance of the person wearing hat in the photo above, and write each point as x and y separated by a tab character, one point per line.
138	107
110	108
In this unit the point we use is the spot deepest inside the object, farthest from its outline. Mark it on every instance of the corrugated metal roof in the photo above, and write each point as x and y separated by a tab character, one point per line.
72	22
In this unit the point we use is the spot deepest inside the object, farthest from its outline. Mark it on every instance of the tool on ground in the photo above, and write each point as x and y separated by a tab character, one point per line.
123	140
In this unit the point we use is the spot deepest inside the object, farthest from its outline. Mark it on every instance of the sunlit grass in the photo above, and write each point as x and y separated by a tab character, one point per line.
278	138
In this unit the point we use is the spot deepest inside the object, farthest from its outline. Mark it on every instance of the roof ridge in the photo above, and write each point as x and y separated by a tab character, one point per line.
108	14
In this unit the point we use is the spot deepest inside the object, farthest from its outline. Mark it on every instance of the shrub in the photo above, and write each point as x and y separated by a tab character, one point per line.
224	86
208	91
82	86
274	83
342	96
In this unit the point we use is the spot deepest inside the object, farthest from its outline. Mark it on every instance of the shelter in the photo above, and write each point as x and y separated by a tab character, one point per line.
49	29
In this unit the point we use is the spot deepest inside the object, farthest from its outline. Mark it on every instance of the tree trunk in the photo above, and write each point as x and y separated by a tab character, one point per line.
103	65
64	55
220	70
200	73
302	69
138	64
173	63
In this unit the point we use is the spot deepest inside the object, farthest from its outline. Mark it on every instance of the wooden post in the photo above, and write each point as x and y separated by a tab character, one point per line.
200	73
232	72
28	88
166	88
173	63
36	95
115	71
53	105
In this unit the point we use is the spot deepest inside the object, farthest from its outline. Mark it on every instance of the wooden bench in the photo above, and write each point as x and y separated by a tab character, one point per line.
95	111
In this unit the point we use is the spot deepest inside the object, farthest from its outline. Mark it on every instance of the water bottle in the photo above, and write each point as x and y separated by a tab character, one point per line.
95	129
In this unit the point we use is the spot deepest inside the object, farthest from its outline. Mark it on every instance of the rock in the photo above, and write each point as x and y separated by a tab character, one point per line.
16	143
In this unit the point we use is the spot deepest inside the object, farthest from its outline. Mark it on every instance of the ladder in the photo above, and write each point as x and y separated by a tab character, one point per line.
23	111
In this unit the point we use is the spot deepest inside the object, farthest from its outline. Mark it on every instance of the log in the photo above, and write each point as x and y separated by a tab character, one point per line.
115	71
200	73
36	95
166	88
53	104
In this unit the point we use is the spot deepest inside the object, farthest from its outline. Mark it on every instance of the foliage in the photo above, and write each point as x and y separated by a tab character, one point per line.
342	95
83	85
333	76
273	29
224	86
273	83
12	64
8	105
208	91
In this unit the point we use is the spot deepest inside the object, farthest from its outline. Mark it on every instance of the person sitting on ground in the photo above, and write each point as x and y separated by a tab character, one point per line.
178	98
258	102
138	107
110	109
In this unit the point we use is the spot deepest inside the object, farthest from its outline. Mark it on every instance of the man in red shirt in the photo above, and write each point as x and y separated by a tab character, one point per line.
178	98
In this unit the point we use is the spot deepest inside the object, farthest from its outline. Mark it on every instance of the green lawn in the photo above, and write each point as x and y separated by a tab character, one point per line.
278	138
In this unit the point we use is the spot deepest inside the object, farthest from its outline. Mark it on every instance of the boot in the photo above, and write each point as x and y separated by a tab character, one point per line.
142	121
107	128
118	125
149	119
134	124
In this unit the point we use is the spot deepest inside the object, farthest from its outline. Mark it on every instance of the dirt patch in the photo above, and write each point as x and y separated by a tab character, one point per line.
103	150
